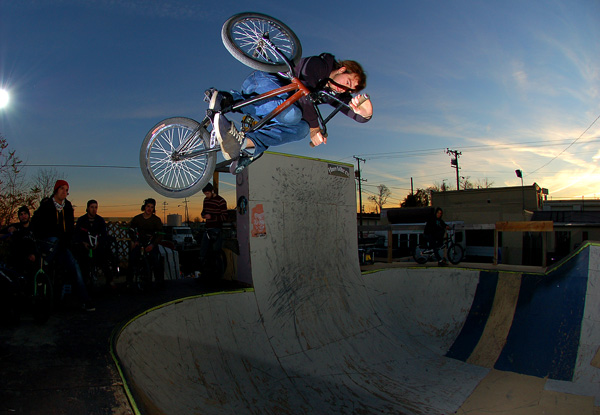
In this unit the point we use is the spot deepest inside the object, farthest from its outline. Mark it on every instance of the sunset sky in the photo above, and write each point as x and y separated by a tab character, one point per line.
509	84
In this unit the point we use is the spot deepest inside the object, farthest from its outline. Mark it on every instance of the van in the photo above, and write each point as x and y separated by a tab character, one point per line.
181	236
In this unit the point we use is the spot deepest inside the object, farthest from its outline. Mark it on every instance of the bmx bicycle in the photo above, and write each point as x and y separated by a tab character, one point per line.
21	290
90	262
141	264
178	155
422	253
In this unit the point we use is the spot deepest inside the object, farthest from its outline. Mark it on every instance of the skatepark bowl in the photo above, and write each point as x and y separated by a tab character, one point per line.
316	336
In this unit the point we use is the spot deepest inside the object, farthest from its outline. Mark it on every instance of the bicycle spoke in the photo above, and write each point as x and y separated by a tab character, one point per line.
250	35
176	174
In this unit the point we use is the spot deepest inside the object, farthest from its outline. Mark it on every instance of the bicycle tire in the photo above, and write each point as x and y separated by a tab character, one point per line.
43	298
165	173
455	253
418	256
242	36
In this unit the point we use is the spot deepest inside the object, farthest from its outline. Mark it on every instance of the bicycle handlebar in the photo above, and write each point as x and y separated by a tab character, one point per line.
363	98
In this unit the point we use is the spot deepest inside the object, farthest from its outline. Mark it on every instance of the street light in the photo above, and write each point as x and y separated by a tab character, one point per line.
519	174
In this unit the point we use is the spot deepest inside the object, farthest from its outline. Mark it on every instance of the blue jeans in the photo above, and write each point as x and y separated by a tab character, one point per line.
287	127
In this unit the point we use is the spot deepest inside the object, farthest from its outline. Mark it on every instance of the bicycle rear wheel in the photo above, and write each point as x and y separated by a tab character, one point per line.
163	168
244	37
455	253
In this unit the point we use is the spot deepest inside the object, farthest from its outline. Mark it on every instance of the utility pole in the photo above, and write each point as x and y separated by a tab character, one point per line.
360	180
165	212
454	164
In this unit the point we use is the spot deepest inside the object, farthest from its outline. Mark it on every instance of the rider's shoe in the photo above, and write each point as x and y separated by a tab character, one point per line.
217	100
240	164
442	263
231	140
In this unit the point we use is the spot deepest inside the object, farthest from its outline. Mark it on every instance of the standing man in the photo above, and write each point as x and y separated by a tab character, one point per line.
435	229
54	223
214	211
149	228
91	234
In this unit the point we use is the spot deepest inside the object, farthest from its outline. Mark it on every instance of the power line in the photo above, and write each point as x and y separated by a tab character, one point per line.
569	146
427	152
79	166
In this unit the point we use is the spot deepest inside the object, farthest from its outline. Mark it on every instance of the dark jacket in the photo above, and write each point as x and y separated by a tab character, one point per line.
435	228
314	72
48	222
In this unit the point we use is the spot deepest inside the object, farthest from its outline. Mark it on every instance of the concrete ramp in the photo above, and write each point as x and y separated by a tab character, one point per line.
315	336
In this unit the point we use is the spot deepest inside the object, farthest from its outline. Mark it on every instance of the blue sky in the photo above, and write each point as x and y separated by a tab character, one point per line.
510	84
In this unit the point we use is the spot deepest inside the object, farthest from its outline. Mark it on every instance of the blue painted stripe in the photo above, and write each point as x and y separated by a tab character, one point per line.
544	337
478	316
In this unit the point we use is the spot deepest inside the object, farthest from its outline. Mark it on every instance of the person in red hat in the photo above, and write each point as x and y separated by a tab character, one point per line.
54	223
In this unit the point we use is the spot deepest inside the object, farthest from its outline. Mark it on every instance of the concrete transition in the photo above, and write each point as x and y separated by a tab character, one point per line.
315	336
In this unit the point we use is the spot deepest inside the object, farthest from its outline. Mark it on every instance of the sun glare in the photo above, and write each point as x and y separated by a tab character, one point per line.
4	98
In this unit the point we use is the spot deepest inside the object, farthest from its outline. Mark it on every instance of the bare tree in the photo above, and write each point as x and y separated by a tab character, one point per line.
43	181
13	188
484	183
381	197
466	183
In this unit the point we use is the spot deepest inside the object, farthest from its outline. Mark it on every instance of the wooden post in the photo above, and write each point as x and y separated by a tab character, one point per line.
495	246
390	241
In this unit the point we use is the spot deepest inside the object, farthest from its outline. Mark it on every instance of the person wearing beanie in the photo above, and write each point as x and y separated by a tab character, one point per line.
23	252
54	224
214	211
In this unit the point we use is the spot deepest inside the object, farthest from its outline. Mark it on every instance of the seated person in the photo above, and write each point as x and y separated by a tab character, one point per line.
94	225
149	234
23	252
53	224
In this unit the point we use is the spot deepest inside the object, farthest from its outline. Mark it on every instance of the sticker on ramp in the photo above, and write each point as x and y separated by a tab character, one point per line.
337	170
259	229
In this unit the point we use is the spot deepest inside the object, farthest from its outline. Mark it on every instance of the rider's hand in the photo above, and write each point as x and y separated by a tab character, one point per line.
365	109
316	137
207	216
149	248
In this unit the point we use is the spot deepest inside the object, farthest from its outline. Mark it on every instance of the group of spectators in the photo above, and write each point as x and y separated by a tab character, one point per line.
53	231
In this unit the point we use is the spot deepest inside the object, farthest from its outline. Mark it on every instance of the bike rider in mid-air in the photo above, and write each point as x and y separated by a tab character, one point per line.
321	72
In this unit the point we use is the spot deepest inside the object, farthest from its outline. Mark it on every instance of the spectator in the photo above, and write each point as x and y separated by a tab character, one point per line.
93	225
214	211
149	230
435	229
23	253
53	224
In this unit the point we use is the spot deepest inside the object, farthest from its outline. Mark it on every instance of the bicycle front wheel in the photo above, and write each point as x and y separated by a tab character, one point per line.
249	36
455	254
419	256
162	166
